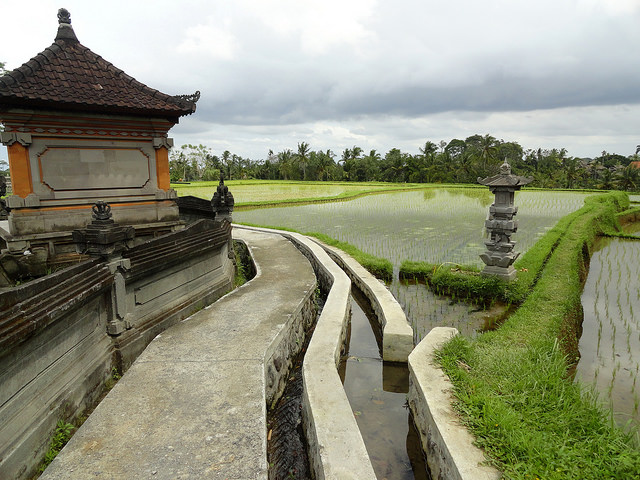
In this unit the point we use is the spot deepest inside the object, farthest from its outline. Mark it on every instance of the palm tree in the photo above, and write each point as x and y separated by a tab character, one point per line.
629	178
303	158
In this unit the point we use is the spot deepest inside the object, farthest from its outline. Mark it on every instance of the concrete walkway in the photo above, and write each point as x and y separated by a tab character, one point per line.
193	403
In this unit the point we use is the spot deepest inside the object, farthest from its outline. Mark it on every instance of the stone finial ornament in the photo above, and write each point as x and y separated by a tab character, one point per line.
222	201
101	211
103	237
64	16
65	30
500	224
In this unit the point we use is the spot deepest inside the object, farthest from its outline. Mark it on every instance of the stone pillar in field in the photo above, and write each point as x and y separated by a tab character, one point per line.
500	256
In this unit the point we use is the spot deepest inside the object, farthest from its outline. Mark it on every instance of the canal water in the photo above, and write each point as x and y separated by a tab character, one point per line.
377	392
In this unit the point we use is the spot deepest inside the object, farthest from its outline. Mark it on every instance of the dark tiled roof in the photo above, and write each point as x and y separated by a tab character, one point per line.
67	75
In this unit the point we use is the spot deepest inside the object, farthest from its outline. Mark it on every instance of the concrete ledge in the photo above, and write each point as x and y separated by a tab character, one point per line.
336	447
447	443
397	334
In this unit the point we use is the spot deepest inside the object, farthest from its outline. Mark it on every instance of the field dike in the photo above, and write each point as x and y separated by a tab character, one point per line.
513	386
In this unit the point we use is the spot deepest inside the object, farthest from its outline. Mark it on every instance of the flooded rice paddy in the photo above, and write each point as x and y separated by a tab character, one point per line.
610	342
435	225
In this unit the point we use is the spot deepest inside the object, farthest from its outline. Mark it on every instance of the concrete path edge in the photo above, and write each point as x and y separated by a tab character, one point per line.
397	334
448	444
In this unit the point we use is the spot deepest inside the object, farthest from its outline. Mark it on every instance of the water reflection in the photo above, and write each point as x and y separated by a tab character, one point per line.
377	393
610	341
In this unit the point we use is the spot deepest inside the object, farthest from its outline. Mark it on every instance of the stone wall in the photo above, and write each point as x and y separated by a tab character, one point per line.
61	335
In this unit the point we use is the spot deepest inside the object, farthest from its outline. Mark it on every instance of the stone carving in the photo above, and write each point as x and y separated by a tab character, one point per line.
188	99
64	16
500	224
103	237
222	201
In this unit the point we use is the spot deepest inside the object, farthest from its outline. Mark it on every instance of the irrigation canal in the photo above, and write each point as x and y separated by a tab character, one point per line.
377	394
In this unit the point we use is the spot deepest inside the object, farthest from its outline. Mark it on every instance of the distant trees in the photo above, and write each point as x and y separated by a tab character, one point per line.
456	161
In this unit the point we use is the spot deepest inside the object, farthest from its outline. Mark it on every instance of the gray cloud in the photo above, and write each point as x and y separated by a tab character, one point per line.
385	73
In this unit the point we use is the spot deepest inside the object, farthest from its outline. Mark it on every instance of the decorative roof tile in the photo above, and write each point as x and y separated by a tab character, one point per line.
69	76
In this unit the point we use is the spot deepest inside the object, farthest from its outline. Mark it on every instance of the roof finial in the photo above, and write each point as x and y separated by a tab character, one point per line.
65	30
64	16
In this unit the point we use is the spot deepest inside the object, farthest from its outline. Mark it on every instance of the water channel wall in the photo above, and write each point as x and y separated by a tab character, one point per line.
447	443
335	445
397	334
61	335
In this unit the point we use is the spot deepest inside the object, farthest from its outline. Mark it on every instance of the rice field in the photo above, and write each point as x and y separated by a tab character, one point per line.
435	225
610	342
265	192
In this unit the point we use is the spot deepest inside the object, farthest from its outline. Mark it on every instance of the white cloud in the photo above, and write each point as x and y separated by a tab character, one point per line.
318	25
209	40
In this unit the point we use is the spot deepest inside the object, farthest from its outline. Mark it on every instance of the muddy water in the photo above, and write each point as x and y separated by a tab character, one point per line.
610	342
377	393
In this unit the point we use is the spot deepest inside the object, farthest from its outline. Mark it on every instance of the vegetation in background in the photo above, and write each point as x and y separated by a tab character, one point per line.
456	161
513	386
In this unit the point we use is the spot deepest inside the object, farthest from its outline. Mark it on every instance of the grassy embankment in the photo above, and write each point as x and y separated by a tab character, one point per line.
513	385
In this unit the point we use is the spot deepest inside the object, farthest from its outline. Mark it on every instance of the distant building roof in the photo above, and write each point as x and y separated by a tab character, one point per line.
69	76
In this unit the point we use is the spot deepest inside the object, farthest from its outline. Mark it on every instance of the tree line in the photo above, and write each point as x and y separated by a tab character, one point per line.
456	161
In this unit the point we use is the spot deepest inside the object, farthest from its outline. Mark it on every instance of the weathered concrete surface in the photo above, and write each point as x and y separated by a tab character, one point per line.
193	405
397	334
335	444
449	446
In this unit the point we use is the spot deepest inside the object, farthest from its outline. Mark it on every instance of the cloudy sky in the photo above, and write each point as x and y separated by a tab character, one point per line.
374	73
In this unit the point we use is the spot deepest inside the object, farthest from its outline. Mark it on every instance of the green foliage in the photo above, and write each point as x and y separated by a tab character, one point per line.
60	438
240	277
459	161
512	384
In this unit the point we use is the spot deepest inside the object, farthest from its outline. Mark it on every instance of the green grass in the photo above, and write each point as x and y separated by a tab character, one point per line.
513	385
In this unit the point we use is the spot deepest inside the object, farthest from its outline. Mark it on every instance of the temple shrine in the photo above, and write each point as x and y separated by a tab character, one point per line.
79	130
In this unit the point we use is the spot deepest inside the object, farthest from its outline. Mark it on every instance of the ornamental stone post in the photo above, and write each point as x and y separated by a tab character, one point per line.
500	224
222	201
103	237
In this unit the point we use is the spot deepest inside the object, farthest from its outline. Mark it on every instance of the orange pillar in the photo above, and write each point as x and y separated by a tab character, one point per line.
162	168
20	169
